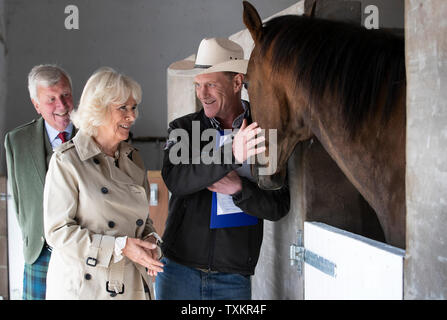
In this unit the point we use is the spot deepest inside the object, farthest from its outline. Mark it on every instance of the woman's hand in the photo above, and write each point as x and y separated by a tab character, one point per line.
144	253
154	253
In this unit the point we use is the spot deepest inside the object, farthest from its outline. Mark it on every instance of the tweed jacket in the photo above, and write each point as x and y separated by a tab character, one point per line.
88	202
27	165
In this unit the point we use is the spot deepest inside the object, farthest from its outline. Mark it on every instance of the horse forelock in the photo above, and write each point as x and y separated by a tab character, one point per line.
352	63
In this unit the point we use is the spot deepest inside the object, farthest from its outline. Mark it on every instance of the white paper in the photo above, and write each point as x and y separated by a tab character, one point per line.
225	204
224	139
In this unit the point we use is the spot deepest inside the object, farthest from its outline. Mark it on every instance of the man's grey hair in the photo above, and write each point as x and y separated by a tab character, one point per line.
45	75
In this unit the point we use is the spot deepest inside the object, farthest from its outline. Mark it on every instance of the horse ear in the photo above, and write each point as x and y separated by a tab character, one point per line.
310	10
252	21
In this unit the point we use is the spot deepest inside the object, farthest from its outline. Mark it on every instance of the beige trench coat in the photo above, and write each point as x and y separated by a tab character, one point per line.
88	202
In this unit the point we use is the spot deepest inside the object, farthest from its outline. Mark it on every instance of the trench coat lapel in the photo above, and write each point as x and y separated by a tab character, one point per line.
130	173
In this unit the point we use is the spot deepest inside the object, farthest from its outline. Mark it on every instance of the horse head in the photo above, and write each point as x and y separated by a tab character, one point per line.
271	107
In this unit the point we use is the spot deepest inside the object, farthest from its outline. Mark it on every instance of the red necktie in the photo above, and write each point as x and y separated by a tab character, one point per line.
62	136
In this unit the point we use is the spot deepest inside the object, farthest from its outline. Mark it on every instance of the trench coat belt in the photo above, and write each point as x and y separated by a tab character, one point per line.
115	283
92	258
116	277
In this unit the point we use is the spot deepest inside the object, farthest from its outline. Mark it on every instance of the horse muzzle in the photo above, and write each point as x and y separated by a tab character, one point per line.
272	182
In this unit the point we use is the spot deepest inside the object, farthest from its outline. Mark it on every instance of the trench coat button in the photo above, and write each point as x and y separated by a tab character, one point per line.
96	161
111	224
88	276
104	190
140	222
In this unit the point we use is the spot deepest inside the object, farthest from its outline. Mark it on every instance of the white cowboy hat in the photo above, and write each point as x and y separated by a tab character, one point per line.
216	55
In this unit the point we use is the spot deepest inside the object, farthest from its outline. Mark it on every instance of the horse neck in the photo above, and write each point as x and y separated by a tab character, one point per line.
374	161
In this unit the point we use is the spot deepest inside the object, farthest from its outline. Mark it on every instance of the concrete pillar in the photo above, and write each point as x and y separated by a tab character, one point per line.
425	275
181	93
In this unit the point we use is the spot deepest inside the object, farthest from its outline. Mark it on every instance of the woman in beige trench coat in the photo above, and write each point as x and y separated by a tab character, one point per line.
96	201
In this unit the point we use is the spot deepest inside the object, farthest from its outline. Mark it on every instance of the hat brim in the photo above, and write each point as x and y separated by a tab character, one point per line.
238	66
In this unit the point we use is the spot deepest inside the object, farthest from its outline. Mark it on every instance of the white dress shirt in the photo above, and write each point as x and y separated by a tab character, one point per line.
52	134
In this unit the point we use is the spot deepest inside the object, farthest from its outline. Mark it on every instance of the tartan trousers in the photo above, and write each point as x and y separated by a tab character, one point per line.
35	277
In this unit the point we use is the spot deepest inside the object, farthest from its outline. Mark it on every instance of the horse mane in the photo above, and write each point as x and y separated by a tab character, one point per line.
352	62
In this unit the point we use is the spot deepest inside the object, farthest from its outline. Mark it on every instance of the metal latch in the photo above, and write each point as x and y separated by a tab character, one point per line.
299	254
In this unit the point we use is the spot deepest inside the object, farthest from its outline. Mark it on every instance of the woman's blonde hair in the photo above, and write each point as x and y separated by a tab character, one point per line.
104	88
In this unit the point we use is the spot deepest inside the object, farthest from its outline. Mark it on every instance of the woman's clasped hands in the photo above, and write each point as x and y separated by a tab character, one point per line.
145	253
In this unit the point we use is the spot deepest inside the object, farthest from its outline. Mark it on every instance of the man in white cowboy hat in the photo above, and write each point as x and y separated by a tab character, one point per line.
214	230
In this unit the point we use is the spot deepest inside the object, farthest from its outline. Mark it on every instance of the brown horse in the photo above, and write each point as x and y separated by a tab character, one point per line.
344	85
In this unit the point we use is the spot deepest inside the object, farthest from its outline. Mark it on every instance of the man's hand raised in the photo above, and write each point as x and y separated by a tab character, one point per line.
245	142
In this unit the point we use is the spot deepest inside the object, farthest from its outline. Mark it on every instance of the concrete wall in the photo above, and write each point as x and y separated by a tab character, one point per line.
426	260
138	37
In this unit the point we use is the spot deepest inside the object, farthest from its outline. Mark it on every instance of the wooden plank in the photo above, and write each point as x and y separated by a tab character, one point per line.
365	268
